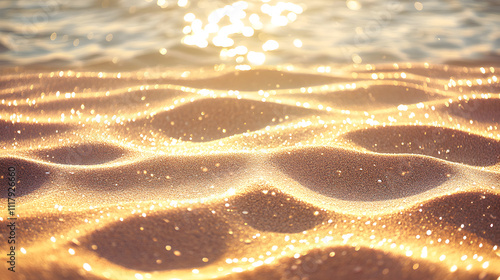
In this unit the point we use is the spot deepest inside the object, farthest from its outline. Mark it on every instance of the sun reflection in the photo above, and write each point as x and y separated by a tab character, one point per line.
224	27
256	58
353	5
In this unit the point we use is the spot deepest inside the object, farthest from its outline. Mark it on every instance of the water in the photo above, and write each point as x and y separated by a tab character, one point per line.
126	34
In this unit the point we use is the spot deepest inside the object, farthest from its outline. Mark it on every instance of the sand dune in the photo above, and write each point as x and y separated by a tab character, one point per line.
369	172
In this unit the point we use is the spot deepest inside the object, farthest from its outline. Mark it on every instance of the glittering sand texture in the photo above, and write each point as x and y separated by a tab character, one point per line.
374	172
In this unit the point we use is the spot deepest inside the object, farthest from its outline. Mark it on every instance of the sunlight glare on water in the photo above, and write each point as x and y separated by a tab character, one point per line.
127	34
226	27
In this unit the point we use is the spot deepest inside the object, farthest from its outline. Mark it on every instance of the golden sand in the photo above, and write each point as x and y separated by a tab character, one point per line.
372	172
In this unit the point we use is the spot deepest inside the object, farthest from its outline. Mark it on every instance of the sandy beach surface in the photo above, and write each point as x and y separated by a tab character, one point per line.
387	171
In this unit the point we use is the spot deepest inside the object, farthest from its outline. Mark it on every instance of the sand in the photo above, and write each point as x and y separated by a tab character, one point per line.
365	172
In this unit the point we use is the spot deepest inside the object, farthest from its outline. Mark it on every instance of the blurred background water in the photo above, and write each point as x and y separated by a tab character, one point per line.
133	34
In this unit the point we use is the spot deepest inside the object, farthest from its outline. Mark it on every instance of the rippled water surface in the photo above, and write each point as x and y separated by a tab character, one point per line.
127	34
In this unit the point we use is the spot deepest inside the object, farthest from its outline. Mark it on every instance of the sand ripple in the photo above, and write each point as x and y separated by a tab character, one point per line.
376	172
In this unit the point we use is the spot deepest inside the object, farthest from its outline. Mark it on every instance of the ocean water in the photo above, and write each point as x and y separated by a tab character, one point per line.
134	34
